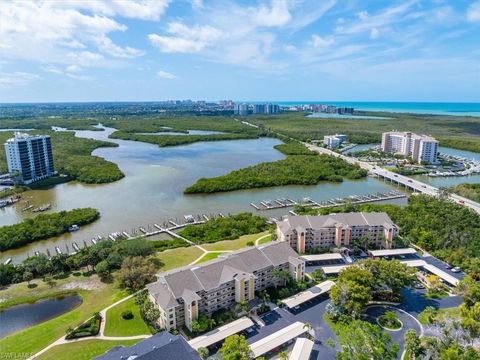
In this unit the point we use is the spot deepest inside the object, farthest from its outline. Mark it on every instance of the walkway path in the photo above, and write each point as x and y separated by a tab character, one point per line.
257	242
100	335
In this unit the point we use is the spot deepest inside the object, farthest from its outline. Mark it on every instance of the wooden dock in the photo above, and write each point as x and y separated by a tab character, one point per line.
308	202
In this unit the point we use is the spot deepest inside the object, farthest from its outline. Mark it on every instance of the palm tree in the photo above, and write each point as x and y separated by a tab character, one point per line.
283	355
281	275
308	326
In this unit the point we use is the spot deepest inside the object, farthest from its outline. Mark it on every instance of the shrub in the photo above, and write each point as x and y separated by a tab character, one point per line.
127	315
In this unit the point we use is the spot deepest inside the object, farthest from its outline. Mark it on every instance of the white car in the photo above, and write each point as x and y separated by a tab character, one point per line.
456	269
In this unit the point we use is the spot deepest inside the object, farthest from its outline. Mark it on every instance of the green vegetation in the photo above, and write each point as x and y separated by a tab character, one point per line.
171	259
44	226
294	148
370	279
117	325
175	140
161	245
457	328
105	257
35	338
236	244
91	327
294	170
230	227
235	347
470	191
390	320
13	191
361	340
459	132
208	257
84	350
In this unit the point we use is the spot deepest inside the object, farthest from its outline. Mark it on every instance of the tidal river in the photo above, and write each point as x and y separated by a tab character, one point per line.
152	190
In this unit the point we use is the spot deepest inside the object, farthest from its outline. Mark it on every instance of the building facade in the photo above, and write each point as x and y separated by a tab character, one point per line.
30	156
309	233
420	148
240	109
182	294
334	141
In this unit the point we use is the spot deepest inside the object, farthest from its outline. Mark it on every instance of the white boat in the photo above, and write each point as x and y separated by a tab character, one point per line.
73	228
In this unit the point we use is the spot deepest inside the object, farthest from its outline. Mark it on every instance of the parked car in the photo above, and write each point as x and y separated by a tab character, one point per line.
448	266
456	269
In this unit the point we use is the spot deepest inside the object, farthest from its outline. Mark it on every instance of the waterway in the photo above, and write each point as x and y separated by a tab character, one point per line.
23	316
152	190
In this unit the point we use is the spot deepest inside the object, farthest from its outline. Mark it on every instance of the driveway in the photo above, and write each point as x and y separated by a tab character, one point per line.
408	322
313	311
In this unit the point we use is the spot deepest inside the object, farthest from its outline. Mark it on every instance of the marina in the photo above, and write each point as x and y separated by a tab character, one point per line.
167	227
308	202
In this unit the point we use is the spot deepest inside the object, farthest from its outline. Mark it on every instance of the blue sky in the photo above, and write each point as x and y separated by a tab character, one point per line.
358	50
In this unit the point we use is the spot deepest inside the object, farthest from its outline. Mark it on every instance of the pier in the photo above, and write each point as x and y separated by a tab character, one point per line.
167	227
308	202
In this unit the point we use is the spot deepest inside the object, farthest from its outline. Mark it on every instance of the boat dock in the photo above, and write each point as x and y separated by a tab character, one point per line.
308	202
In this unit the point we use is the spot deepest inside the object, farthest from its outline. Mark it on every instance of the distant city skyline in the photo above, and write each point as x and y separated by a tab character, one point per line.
271	50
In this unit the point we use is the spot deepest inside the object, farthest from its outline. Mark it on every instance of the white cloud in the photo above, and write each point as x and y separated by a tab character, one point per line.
49	31
319	42
184	39
166	75
71	71
275	15
197	4
473	12
374	34
385	17
17	78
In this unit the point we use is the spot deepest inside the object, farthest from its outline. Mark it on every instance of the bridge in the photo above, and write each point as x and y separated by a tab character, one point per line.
412	184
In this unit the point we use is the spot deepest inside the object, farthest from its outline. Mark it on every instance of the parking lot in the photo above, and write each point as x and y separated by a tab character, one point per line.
312	312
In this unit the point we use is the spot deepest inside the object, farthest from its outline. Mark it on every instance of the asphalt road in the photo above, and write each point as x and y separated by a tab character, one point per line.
313	312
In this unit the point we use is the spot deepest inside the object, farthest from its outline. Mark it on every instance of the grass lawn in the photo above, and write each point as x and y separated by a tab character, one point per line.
117	326
265	240
239	243
209	256
174	258
35	338
83	350
20	293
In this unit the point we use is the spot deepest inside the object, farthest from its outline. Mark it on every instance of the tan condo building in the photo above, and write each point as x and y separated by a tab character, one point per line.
182	294
418	147
306	233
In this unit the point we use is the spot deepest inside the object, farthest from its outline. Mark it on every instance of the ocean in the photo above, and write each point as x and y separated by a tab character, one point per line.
437	108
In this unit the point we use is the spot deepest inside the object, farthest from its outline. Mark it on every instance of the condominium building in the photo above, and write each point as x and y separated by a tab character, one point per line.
30	157
418	147
182	294
266	109
306	233
334	141
240	109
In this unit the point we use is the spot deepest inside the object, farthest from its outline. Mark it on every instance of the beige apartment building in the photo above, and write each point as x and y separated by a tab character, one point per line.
418	147
306	233
182	294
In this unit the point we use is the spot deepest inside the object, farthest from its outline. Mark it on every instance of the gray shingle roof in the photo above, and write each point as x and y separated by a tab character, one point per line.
348	219
160	346
212	274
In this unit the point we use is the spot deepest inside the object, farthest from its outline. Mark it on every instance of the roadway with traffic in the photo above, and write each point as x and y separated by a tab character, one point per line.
413	184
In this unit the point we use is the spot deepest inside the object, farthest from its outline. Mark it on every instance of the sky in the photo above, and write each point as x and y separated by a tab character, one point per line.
274	50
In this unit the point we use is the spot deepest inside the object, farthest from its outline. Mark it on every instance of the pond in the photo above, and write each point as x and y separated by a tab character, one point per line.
22	316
